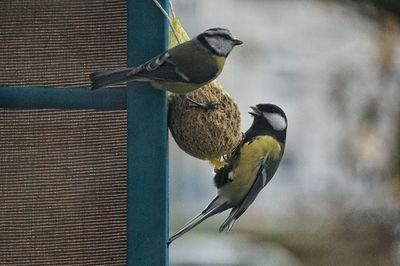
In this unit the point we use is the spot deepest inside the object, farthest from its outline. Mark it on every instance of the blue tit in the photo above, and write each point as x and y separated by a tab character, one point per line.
181	69
248	170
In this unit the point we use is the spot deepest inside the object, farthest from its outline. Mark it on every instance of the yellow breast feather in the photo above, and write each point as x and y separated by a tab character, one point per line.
220	62
251	155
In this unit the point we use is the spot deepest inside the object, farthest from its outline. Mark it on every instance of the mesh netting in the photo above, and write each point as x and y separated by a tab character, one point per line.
62	173
59	42
62	187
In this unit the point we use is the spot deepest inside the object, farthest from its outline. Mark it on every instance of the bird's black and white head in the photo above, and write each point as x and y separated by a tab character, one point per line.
218	41
271	119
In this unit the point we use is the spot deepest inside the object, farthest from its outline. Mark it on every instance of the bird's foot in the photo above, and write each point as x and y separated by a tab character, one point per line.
205	106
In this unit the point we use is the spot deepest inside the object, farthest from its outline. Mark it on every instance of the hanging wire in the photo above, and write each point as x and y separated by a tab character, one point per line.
168	18
171	7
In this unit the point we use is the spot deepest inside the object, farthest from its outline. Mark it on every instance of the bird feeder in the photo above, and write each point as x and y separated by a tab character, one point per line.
83	175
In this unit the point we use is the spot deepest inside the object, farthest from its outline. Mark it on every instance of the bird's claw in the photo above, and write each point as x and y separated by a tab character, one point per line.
205	106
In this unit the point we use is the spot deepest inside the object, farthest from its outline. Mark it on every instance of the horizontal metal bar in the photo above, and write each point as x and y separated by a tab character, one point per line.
62	98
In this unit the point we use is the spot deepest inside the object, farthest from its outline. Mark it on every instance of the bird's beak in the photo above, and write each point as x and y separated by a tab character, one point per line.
255	112
237	42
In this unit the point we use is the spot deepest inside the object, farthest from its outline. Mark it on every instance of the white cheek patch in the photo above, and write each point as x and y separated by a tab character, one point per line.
277	121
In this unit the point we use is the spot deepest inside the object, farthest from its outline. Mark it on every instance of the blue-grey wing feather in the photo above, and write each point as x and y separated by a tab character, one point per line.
159	68
264	175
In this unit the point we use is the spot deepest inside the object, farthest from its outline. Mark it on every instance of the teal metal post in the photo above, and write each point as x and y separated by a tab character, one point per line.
147	195
147	192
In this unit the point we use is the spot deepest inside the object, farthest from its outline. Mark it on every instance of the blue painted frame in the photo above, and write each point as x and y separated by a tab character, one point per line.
62	98
147	139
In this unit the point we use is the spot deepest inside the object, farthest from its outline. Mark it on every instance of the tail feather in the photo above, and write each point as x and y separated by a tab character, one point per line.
103	79
216	206
230	221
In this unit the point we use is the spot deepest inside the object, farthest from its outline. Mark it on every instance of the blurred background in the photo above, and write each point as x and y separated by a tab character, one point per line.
334	67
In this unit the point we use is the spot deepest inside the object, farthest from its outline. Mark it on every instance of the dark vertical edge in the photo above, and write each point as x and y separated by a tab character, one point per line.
147	184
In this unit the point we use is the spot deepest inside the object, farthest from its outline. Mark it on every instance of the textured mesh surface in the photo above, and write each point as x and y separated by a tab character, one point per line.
62	173
205	135
59	42
62	187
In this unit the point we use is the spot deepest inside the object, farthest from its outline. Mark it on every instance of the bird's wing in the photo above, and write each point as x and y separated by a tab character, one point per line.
217	205
179	64
265	173
158	68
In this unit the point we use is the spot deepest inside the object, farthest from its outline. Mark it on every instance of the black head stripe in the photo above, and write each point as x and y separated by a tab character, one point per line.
218	30
224	33
217	41
225	36
206	44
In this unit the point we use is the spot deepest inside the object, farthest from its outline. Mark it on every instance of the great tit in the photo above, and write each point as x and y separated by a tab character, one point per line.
250	167
181	69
